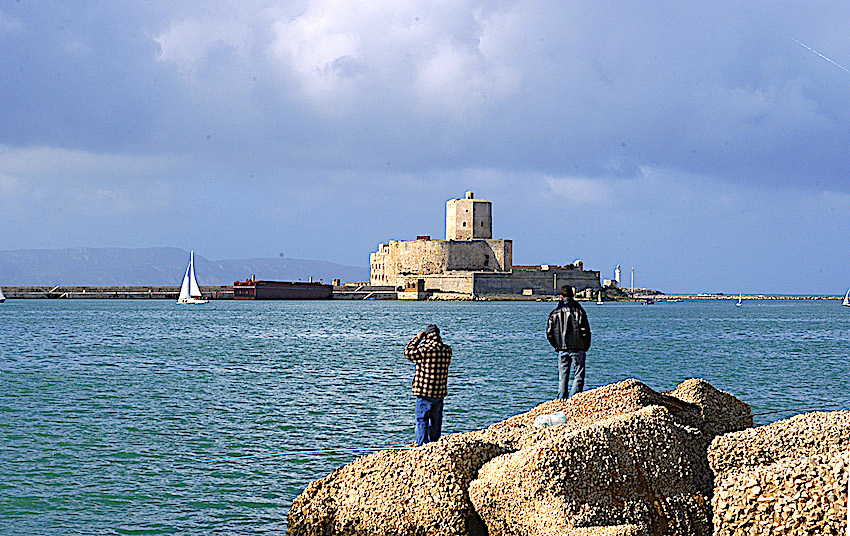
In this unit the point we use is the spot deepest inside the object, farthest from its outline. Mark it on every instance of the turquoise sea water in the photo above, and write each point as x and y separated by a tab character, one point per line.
110	411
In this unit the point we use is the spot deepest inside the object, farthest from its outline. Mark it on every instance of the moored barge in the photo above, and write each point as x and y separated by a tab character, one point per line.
253	289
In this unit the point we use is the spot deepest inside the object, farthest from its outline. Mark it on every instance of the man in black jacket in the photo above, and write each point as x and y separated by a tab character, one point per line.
569	333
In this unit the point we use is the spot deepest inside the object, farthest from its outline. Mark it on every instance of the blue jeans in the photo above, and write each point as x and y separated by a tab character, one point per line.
565	358
429	419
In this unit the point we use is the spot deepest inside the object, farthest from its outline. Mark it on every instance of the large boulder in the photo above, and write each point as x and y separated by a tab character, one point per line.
629	461
421	491
635	469
789	477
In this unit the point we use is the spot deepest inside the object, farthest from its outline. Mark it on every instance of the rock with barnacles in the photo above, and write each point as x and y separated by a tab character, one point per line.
421	491
639	470
629	461
789	477
694	403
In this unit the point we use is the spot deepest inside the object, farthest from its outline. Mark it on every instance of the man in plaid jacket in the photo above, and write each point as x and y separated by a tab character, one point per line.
432	358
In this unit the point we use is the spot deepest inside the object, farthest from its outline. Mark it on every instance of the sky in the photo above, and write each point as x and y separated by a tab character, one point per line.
705	145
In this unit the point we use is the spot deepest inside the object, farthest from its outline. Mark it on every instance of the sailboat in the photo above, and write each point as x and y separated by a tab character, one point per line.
845	303
3	298
599	298
189	291
739	301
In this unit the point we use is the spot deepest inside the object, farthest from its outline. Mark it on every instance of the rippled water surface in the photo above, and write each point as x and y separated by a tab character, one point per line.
110	411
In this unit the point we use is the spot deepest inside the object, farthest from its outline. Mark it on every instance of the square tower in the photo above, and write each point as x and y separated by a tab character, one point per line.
468	219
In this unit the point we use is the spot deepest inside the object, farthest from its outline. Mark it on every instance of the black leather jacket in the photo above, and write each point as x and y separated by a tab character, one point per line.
568	328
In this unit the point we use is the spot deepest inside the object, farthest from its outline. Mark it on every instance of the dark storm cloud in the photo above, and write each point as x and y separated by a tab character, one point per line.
80	75
581	88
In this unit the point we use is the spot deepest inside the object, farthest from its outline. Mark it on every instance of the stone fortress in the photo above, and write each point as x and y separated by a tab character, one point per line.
469	261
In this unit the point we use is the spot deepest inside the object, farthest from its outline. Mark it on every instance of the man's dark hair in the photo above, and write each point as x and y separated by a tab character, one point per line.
567	291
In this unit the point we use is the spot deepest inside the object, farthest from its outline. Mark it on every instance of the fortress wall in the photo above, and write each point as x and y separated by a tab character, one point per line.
479	255
467	267
408	257
419	257
461	283
404	258
545	282
503	252
379	269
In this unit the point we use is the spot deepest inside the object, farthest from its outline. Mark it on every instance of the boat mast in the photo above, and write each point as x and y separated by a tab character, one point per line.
194	290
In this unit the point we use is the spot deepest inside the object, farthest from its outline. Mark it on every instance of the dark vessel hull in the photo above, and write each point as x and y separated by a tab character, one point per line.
281	290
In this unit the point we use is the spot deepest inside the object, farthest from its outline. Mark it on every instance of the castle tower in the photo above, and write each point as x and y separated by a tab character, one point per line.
617	275
468	219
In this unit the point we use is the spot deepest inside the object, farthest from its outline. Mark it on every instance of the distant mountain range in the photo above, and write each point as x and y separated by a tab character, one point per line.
154	267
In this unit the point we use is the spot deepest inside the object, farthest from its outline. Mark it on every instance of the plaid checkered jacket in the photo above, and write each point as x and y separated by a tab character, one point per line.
432	359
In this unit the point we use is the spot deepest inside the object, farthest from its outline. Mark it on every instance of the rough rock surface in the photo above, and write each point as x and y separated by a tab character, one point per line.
629	462
628	457
789	477
634	469
421	491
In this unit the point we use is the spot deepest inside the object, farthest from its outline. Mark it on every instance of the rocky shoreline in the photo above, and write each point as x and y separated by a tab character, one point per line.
629	461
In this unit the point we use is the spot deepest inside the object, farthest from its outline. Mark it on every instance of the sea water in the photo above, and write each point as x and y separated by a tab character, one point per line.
111	412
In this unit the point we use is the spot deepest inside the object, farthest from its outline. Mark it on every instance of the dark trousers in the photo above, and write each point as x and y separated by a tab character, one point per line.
429	419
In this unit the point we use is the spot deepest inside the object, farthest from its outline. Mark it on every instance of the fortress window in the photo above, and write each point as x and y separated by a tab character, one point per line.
464	224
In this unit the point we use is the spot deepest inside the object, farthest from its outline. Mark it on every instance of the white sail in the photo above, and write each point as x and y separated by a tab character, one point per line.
846	302
184	288
2	297
194	291
739	300
189	291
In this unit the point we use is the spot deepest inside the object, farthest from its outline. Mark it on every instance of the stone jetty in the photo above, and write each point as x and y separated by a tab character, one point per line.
628	461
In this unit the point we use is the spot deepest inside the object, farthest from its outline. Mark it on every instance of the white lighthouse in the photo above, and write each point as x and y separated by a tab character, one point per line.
613	283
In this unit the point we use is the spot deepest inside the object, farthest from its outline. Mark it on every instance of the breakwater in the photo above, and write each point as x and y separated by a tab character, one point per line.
119	292
624	460
659	297
166	292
